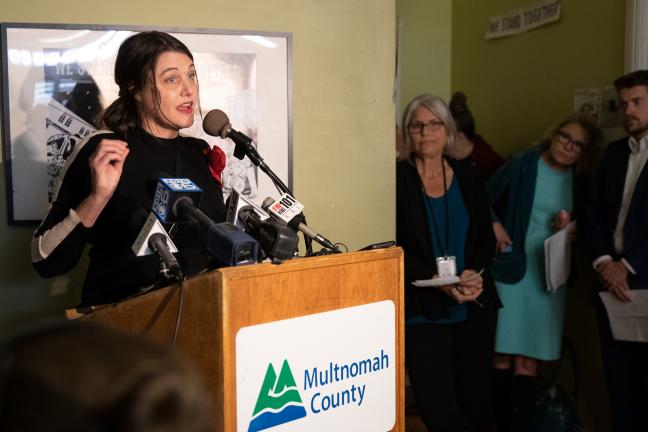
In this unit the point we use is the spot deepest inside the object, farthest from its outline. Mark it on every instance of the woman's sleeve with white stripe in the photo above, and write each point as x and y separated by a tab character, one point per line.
59	241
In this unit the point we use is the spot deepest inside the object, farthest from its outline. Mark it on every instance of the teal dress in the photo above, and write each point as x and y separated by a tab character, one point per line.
531	320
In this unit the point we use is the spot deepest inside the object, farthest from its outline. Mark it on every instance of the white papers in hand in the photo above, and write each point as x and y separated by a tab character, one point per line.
558	258
628	321
440	281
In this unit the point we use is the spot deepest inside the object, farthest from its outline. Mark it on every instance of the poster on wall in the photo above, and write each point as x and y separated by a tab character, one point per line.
598	105
57	80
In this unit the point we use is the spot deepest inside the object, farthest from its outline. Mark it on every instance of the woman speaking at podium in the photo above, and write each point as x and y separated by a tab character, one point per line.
103	199
444	227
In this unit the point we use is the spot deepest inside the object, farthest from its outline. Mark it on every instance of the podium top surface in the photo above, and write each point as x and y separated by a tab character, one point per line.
312	262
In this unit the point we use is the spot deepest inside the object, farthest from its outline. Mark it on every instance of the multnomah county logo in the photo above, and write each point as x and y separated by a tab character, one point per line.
279	401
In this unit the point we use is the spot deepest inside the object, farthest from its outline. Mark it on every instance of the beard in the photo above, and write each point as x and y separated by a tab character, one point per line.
635	127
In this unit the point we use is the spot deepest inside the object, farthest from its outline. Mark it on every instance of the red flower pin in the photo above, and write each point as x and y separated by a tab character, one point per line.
216	160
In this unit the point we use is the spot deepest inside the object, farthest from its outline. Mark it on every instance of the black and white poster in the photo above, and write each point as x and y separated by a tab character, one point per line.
58	79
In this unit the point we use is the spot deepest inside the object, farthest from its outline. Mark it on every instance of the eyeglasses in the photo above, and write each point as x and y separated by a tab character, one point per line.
569	143
418	127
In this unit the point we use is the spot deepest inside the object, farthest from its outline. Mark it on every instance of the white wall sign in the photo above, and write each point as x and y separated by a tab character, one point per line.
524	19
328	371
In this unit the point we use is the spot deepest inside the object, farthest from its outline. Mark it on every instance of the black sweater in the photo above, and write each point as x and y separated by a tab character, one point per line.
413	235
114	271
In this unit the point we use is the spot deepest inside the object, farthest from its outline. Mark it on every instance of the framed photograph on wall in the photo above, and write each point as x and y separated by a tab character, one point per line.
57	80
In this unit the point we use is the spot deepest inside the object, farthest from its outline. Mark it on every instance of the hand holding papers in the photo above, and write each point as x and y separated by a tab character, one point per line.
558	258
448	280
456	286
440	281
628	321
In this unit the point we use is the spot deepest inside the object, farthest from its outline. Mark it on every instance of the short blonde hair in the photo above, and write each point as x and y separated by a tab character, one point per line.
439	108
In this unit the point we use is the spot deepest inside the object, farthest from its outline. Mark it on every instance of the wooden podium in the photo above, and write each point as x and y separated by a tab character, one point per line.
219	303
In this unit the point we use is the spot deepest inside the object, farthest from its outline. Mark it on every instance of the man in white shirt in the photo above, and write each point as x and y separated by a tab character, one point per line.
617	232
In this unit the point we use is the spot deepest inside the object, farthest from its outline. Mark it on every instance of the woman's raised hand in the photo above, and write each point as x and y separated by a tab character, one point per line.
561	220
106	164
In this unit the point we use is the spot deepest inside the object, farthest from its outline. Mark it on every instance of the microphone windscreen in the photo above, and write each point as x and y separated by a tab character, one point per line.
250	219
230	246
278	241
214	122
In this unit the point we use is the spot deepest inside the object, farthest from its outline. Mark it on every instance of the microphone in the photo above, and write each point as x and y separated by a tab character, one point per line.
170	267
176	199
168	192
216	123
231	246
153	239
288	210
235	203
277	241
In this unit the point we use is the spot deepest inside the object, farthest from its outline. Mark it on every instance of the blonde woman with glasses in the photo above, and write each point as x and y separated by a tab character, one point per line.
539	188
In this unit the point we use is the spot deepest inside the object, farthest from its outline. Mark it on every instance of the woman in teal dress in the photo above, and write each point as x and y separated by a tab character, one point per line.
539	186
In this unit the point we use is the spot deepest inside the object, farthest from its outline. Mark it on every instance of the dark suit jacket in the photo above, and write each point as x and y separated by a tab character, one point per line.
603	211
413	235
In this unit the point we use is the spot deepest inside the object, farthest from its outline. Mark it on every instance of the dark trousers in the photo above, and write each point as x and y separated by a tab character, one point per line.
626	370
449	366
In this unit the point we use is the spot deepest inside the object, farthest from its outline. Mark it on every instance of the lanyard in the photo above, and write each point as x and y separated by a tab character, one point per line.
444	247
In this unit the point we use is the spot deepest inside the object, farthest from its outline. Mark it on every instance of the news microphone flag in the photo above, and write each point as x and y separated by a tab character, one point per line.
167	193
151	226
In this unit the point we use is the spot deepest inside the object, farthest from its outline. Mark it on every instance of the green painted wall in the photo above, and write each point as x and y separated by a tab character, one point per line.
425	48
520	86
518	89
343	78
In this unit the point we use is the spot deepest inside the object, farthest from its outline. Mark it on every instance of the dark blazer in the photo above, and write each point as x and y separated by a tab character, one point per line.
516	180
515	183
413	235
603	212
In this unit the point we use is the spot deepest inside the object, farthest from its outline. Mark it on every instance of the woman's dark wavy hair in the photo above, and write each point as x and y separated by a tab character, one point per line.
134	70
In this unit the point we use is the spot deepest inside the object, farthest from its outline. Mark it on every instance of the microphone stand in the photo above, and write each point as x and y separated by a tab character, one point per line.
248	149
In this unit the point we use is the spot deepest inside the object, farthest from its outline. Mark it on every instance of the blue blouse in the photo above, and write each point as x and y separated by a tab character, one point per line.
456	235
